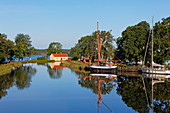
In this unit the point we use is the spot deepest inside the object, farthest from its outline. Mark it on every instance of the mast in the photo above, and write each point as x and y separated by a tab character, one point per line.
98	43
152	44
152	64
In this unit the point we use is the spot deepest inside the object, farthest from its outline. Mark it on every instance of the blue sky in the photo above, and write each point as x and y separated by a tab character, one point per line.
66	21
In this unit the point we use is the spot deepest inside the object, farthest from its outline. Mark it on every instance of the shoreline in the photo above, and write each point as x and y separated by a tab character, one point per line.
7	68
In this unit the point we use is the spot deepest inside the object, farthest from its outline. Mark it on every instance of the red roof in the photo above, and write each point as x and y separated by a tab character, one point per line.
60	55
58	67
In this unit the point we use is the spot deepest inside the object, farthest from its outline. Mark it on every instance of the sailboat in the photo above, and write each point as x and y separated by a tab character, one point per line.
155	68
107	66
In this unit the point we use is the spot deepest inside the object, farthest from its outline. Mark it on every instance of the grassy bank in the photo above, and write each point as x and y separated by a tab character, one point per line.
129	68
77	66
37	61
7	68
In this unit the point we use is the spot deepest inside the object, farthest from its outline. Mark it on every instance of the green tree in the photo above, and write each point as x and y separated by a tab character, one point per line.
87	46
23	46
54	47
131	46
162	40
6	47
23	38
107	48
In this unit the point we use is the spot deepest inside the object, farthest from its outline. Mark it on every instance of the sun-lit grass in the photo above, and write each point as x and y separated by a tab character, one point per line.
7	68
77	66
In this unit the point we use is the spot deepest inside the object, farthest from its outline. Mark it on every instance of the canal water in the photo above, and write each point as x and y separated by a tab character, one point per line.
51	88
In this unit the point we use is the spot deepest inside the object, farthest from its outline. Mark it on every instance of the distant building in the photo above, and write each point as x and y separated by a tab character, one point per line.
59	57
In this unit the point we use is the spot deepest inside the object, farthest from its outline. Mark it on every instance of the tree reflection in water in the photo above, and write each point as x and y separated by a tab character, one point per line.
55	70
137	93
20	77
100	85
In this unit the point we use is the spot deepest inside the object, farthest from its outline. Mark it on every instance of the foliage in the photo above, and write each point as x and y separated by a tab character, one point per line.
23	38
6	47
23	46
162	41
87	46
41	51
131	46
42	58
54	47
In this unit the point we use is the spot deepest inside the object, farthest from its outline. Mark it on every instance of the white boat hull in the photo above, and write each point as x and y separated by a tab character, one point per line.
155	71
103	67
104	75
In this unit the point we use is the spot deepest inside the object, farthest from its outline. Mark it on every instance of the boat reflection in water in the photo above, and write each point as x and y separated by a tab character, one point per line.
100	84
156	80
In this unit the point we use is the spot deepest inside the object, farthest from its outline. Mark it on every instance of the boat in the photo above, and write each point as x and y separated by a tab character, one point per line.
103	75
103	67
106	66
155	68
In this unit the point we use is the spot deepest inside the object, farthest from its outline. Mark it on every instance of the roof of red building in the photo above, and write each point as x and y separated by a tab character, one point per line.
60	55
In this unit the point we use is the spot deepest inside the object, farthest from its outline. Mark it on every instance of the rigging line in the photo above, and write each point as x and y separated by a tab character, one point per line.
152	96
146	48
107	107
145	92
152	43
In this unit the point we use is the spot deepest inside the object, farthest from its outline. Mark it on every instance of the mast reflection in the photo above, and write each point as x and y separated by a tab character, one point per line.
101	84
155	80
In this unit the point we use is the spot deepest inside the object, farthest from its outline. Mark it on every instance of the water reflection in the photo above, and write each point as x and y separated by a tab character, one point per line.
55	70
20	77
137	93
160	96
101	84
142	93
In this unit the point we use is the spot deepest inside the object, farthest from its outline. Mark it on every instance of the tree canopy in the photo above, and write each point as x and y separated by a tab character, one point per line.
23	46
87	46
131	46
6	47
162	40
54	47
20	48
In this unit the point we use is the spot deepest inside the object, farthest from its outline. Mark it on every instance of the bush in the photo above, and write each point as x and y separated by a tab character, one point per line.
42	58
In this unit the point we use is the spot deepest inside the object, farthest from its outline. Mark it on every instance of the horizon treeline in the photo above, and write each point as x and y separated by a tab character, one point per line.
131	46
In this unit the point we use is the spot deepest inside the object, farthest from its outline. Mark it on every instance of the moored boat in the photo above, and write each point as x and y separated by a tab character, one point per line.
154	68
107	66
102	67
